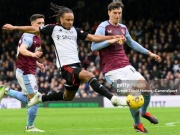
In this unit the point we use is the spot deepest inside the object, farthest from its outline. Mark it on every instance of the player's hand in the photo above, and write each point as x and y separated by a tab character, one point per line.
122	37
41	66
154	56
114	40
37	54
8	27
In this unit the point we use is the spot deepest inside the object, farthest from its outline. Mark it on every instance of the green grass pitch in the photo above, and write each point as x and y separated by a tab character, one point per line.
88	121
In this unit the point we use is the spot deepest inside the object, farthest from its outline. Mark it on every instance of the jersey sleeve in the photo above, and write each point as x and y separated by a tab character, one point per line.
100	30
47	29
133	44
27	40
100	45
81	34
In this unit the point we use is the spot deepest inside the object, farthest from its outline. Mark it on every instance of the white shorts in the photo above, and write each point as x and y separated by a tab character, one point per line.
27	82
123	78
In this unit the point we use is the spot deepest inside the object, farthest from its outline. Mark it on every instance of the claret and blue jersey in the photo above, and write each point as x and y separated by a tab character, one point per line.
28	64
113	56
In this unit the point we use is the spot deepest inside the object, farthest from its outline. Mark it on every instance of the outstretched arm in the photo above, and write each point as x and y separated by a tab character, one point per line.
95	38
154	56
136	46
97	46
100	45
28	29
98	38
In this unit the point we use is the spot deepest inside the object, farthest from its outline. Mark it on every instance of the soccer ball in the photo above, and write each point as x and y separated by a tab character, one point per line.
135	101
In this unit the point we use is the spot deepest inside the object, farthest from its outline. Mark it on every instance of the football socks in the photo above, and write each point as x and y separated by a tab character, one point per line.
18	95
99	88
147	99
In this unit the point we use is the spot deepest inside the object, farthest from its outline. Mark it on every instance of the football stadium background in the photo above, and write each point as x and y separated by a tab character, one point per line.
155	24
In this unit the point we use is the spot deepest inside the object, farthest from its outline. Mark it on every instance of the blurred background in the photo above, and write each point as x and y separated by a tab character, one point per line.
155	24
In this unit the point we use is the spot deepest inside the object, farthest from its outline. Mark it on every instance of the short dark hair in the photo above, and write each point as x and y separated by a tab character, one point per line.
115	5
36	16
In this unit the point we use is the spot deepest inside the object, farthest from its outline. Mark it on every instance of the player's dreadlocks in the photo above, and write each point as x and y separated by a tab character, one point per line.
59	11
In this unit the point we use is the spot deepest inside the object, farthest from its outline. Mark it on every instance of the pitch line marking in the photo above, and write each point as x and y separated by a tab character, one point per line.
171	124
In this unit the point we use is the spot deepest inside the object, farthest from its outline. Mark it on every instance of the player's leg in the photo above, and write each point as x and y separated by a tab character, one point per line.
16	94
117	77
86	76
147	97
70	92
53	96
141	84
74	75
126	75
67	95
72	84
135	76
70	74
31	86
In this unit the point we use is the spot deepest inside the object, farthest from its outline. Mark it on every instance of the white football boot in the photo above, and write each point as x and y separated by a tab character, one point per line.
33	129
35	100
116	101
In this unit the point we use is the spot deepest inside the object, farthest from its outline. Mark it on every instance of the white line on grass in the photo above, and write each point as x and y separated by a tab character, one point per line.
170	124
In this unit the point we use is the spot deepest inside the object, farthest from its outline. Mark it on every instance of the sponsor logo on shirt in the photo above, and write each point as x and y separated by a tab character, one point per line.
69	37
109	31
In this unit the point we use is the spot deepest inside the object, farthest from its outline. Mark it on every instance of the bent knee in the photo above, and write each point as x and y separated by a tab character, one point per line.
85	76
88	74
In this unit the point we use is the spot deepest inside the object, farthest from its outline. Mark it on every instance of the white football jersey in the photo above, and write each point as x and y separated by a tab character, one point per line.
65	43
